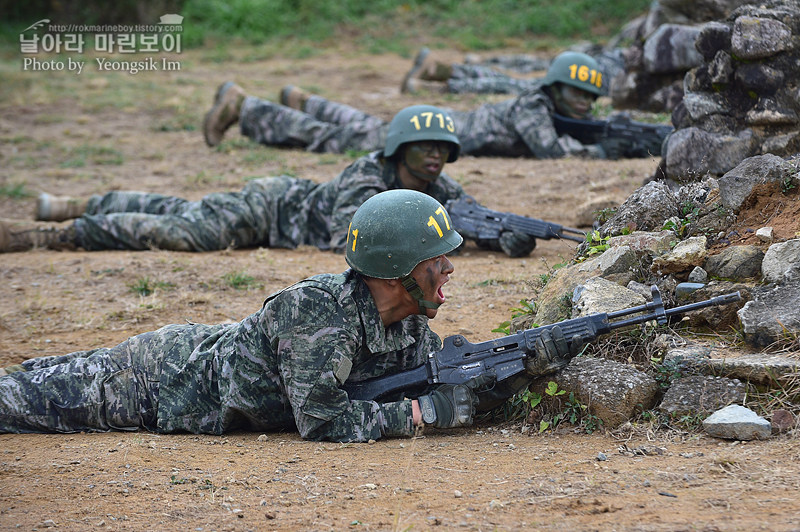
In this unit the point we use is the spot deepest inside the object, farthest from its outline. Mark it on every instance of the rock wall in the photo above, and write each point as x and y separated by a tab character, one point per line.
661	51
743	99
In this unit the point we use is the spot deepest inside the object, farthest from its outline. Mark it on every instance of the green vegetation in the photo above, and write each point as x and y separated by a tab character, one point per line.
146	286
375	25
15	191
239	280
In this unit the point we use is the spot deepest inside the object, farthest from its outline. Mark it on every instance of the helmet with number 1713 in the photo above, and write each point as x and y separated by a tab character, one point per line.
420	123
393	231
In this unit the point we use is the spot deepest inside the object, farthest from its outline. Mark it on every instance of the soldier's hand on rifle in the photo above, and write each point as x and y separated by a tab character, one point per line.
452	405
553	352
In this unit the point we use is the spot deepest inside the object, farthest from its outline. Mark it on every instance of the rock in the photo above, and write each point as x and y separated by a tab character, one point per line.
645	210
737	184
701	395
782	421
717	317
757	38
698	275
757	368
736	262
671	49
684	256
683	290
736	422
645	243
613	392
694	152
772	316
765	234
600	295
782	262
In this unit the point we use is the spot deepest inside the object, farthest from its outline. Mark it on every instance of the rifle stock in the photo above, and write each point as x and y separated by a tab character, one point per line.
476	221
460	360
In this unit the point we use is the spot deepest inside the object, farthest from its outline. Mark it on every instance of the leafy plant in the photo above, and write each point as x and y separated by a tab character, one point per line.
525	308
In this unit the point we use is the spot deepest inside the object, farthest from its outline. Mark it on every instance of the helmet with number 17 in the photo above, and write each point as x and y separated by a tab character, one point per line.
393	231
420	123
576	70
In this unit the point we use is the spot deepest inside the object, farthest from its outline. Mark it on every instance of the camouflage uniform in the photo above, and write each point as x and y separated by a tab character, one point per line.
518	127
338	131
481	79
274	211
278	369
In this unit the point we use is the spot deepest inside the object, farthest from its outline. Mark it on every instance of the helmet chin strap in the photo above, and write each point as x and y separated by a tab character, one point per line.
411	286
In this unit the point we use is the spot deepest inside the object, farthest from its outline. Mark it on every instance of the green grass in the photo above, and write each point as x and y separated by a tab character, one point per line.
15	191
239	280
145	286
299	26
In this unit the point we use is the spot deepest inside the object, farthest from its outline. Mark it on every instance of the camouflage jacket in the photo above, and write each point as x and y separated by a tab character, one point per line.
282	367
319	214
517	127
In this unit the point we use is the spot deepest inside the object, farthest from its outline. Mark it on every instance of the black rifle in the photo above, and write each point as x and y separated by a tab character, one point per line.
459	360
476	221
620	136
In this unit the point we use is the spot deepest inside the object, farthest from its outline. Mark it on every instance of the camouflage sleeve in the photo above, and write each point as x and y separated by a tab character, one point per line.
314	364
533	122
355	185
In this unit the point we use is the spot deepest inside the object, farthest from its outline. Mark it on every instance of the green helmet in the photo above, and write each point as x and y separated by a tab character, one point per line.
420	123
395	230
577	70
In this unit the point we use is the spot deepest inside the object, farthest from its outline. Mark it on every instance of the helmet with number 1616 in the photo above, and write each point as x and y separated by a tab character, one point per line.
395	230
420	123
576	70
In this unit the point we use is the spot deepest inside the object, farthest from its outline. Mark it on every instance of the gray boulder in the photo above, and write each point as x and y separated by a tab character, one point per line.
782	262
736	422
701	395
773	315
737	184
612	391
736	262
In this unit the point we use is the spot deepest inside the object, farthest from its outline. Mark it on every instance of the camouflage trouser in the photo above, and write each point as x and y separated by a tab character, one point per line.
522	63
138	220
103	389
324	126
484	80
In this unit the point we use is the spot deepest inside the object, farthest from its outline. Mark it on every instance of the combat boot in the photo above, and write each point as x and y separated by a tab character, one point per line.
427	69
16	235
51	208
294	97
224	113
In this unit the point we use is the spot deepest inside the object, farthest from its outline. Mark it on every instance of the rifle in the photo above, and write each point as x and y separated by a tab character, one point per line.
476	221
621	136
460	360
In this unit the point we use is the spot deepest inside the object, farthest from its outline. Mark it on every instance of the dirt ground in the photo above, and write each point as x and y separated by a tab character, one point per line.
89	133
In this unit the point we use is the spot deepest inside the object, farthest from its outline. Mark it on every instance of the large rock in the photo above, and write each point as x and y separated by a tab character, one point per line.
782	262
757	368
773	314
671	49
599	295
612	391
701	395
693	152
737	184
684	256
736	263
644	210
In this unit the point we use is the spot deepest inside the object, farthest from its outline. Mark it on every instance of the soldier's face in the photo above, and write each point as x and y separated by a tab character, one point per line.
574	102
431	275
425	159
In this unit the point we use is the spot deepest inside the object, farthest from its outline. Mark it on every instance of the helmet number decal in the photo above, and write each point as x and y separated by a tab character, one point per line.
433	223
354	232
586	75
425	119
